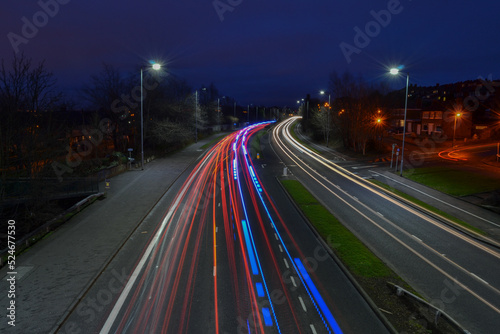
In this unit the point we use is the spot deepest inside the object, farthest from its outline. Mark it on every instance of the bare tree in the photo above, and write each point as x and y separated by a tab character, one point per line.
354	110
322	120
27	132
170	133
106	92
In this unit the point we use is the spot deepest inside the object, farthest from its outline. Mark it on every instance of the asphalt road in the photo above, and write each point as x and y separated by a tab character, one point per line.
452	270
224	251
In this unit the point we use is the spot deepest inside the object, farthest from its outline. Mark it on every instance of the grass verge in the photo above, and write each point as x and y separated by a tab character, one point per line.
353	253
428	207
369	271
456	182
255	146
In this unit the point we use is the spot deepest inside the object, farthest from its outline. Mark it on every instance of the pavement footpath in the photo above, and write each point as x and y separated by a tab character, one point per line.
57	270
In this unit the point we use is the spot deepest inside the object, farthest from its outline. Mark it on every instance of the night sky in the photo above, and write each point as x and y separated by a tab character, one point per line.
260	52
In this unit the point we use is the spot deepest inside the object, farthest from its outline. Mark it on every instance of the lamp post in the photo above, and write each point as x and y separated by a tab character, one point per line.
457	115
327	117
156	67
395	71
323	93
196	118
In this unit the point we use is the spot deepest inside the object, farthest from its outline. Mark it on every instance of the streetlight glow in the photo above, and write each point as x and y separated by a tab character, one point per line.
394	71
457	115
155	67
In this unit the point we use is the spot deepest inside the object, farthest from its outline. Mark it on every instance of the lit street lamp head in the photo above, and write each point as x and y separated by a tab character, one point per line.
156	66
394	71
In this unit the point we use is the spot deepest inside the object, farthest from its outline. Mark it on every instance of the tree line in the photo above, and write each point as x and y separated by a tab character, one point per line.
357	113
40	126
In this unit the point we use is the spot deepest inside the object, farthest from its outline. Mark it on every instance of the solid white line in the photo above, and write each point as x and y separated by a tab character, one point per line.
313	329
286	263
479	278
121	300
302	303
362	167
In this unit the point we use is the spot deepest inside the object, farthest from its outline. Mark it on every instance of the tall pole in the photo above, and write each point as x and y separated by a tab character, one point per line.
404	125
142	124
196	118
328	121
454	130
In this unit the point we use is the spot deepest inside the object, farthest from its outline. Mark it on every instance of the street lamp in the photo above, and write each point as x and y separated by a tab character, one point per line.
395	71
155	66
327	117
323	93
457	115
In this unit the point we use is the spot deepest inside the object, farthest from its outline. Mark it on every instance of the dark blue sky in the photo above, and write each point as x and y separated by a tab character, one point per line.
260	52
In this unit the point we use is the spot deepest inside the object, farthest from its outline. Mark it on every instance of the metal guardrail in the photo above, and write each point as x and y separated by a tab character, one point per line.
33	237
438	313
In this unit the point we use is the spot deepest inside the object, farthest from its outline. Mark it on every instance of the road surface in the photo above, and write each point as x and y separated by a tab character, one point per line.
225	255
454	271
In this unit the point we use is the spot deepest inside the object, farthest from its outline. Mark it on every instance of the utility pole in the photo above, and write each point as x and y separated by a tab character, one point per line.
196	119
